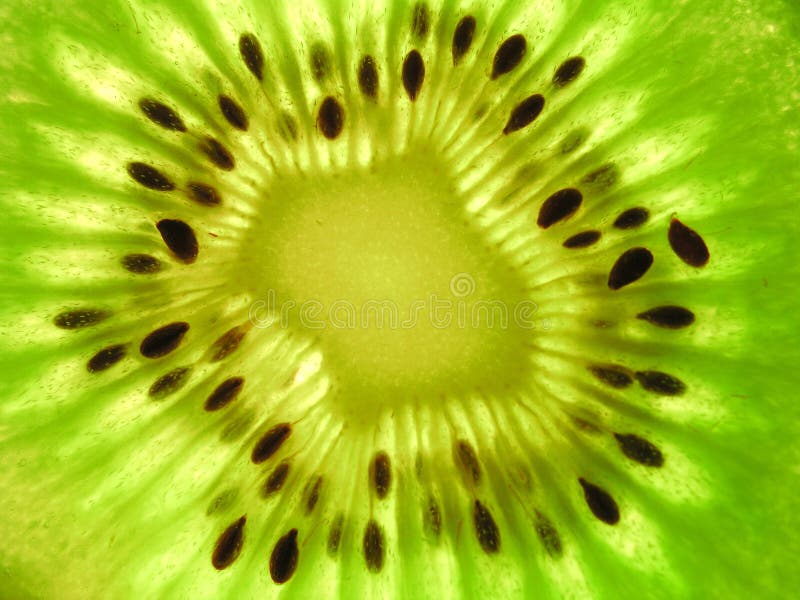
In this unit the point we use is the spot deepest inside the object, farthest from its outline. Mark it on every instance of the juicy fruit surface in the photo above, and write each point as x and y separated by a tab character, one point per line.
627	168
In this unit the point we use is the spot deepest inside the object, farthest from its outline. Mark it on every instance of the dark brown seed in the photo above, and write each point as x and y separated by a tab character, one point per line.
150	177
270	442
433	517
632	218
335	535
687	244
630	266
669	317
276	479
161	114
312	494
462	38
558	207
467	462
420	21
251	53
584	239
615	376
169	383
368	77
106	358
380	474
603	177
225	393
568	71
660	383
141	264
600	502
639	449
232	112
509	55
330	119
373	546
163	340
524	113
320	63
229	545
413	74
179	238
548	534
283	560
486	529
227	344
217	153
204	194
78	319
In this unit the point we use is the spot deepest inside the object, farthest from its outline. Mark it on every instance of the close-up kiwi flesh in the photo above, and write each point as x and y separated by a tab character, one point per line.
399	299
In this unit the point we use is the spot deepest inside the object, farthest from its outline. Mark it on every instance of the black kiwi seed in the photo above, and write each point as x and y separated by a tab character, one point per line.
584	239
603	177
548	534
227	343
613	375
225	393
420	21
600	502
229	544
630	267
639	449
163	340
150	177
319	62
283	560
78	319
252	55
687	244
632	218
368	77
270	442
335	535
524	113
509	55
312	494
372	545
161	114
486	529
141	264
660	383
106	358
413	74
217	153
380	474
568	71
558	207
169	383
433	517
462	38
179	238
467	462
232	112
276	479
203	193
330	119
669	317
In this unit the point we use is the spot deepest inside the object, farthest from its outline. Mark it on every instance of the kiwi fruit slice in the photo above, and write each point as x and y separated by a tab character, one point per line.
438	298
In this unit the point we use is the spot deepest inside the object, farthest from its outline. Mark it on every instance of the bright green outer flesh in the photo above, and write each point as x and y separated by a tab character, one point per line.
105	491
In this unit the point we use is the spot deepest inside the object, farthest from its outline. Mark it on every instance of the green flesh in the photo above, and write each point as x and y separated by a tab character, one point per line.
118	484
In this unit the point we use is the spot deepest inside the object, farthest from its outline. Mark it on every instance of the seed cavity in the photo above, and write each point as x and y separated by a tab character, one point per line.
287	127
252	55
163	340
509	55
486	529
169	383
639	449
180	239
420	21
270	442
548	535
161	114
373	547
330	119
276	479
687	244
335	535
584	239
78	319
204	194
559	207
660	383
413	74
225	393
462	38
141	264
222	502
433	517
229	545
568	71
467	462
612	375
217	153
380	474
319	62
227	344
106	358
150	177
668	317
283	560
368	77
602	178
600	502
524	113
630	267
232	112
632	218
312	494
